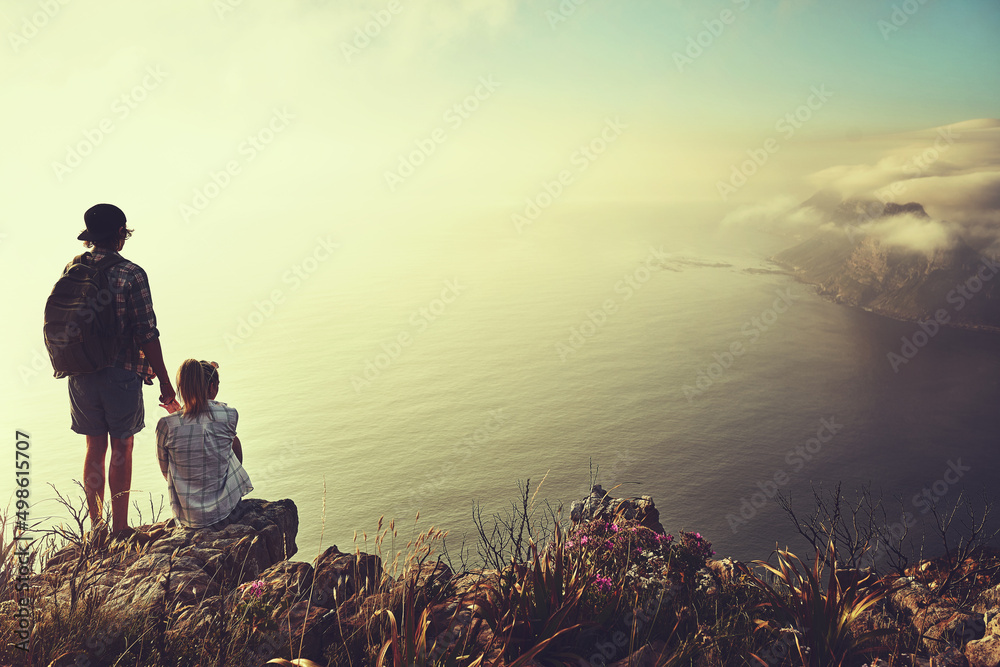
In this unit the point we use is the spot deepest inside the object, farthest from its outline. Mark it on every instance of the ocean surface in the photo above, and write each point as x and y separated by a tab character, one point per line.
660	352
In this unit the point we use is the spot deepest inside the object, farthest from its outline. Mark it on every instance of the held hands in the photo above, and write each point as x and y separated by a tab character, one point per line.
168	398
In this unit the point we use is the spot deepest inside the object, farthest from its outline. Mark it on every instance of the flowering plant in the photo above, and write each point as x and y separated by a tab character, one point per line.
254	603
692	551
254	590
697	545
620	555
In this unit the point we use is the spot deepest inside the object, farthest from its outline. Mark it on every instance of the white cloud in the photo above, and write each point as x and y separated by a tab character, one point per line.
912	233
963	197
953	171
957	149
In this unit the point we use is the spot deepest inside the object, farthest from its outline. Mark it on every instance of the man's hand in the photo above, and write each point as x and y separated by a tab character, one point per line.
167	393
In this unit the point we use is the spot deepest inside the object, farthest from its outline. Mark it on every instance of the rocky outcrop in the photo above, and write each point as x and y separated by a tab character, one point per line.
192	580
181	579
949	632
985	652
184	585
599	505
165	566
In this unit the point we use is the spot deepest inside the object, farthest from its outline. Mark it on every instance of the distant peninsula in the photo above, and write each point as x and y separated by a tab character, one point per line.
856	257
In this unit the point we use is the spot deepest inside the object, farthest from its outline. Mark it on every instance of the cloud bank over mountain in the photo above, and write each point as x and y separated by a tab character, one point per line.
952	171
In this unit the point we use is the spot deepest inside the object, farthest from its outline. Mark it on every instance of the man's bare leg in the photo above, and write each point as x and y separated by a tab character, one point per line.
93	477
120	481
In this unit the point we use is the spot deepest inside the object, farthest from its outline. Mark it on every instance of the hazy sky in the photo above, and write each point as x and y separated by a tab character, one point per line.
181	86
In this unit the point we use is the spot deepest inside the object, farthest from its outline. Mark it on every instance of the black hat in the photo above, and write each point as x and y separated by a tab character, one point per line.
103	222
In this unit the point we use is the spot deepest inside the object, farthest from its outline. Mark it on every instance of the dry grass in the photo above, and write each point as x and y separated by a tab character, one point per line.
547	607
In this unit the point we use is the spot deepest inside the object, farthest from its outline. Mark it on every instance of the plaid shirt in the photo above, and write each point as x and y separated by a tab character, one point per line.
204	477
134	312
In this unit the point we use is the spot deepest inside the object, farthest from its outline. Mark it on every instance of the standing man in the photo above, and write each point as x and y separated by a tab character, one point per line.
106	401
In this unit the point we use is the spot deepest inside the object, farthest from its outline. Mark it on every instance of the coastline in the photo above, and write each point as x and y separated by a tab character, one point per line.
798	274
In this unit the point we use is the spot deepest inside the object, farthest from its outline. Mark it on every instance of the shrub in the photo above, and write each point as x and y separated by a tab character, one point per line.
620	555
692	552
535	608
817	618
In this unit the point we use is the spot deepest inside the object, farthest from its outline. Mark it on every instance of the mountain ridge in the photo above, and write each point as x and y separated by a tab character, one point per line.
853	265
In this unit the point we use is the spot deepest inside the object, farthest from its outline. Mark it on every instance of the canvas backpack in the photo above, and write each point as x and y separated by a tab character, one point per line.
81	329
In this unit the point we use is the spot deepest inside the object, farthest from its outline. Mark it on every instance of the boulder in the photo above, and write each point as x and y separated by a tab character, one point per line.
337	576
432	576
197	619
164	567
287	582
950	657
600	505
988	600
983	652
910	596
951	629
992	620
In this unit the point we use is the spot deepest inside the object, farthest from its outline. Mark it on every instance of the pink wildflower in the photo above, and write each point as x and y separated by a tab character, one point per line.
256	589
603	583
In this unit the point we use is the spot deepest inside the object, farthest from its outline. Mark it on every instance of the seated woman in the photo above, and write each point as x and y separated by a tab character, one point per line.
200	455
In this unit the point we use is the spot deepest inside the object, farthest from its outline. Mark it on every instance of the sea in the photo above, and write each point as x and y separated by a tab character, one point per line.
380	376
